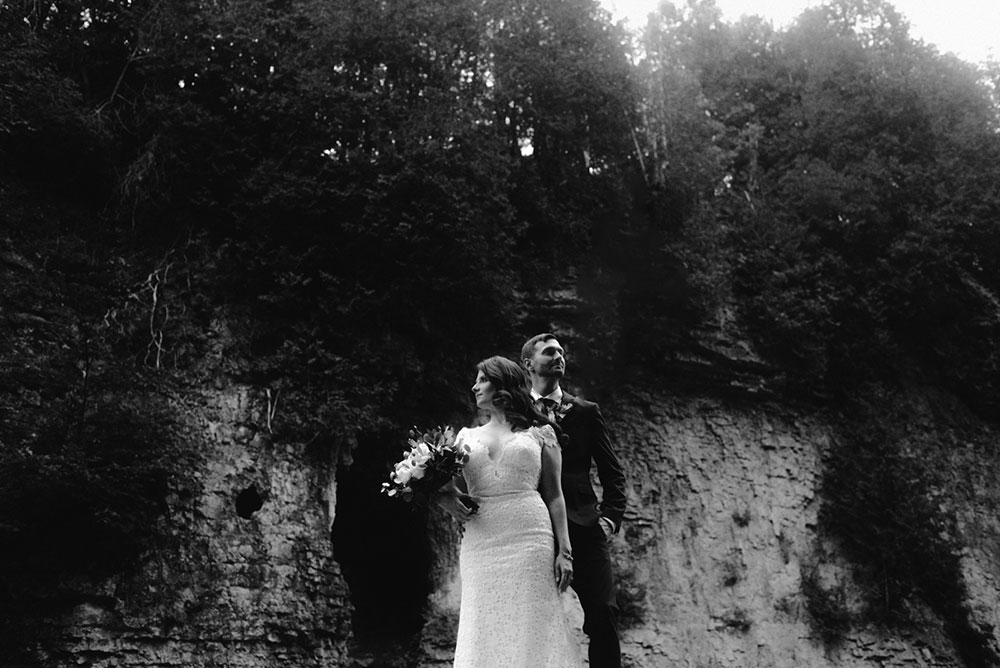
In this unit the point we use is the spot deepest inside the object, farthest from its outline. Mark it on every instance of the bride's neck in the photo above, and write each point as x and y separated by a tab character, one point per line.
498	419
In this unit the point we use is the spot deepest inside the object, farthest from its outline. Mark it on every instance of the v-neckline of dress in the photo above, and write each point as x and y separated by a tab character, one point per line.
501	447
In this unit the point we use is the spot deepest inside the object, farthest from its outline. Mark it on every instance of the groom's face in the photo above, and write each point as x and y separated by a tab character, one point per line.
549	360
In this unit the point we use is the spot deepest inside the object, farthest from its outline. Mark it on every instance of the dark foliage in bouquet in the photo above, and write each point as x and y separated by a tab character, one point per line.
433	458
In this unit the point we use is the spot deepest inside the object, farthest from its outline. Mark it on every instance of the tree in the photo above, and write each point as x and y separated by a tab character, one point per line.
837	135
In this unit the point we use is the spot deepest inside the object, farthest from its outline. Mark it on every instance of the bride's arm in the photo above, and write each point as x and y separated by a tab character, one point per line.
453	497
550	487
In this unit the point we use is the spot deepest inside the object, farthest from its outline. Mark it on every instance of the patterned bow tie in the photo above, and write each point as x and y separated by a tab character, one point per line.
547	407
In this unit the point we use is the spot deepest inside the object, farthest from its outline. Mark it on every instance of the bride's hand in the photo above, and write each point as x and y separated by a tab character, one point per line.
564	570
460	506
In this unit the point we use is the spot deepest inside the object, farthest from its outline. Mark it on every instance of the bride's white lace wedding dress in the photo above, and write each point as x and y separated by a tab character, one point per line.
511	614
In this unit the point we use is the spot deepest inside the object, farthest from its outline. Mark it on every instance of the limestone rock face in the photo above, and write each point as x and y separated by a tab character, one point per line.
721	560
722	533
243	574
722	549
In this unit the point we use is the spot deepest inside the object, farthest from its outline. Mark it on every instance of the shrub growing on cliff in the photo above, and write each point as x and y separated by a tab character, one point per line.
827	607
887	498
85	444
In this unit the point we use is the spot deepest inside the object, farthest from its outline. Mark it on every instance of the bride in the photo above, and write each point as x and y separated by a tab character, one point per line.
515	556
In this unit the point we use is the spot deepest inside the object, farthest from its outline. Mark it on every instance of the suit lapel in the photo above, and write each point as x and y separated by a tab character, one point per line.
566	407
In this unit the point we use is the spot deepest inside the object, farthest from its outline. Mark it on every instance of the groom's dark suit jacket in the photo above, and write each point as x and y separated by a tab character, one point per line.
583	423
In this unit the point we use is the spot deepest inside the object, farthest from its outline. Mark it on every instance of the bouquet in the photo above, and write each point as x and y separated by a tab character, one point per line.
432	460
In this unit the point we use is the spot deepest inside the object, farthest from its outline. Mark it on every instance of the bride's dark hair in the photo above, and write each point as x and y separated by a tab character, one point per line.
511	392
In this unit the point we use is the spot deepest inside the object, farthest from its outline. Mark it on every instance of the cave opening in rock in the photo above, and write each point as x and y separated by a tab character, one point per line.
382	547
248	502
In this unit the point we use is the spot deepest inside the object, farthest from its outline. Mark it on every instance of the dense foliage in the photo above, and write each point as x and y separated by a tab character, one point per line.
348	203
906	464
850	178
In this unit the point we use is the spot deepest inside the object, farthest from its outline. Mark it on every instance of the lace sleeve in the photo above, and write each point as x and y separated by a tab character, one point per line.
546	436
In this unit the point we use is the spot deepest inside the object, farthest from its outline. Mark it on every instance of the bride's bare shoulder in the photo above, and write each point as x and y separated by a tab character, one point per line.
545	435
471	432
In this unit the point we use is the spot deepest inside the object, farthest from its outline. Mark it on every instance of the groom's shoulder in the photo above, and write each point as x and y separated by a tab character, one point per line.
581	402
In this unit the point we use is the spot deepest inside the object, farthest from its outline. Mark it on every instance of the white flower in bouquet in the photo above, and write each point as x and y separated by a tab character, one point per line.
402	472
432	459
420	456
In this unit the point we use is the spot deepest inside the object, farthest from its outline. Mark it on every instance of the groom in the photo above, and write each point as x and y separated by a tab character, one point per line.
591	524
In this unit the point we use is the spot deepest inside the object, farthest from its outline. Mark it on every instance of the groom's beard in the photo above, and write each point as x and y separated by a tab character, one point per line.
551	372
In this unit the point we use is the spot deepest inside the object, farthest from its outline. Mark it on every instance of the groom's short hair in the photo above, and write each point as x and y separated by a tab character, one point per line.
528	349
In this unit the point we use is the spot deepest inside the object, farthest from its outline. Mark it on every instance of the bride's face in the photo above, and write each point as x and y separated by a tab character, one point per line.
483	390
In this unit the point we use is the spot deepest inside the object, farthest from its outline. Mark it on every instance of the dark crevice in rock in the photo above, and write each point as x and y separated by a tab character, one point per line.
383	549
248	502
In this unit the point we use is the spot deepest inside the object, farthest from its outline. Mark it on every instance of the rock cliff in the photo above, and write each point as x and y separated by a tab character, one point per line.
242	573
724	559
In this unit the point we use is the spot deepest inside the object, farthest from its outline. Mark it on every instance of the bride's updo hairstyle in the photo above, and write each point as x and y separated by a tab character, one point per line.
511	392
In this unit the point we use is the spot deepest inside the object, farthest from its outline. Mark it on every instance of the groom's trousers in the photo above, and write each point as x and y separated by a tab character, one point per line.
594	583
